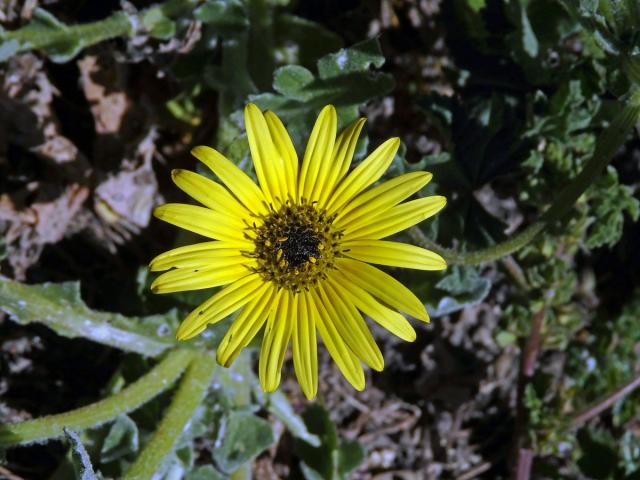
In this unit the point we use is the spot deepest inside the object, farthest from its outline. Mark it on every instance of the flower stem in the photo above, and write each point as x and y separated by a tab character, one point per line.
185	401
609	141
157	380
29	38
602	404
49	33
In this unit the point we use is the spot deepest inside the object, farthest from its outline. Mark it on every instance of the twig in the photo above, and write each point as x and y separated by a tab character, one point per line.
602	404
532	347
525	461
515	271
475	471
4	473
524	454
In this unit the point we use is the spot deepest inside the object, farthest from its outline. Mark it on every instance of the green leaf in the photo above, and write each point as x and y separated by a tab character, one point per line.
477	5
598	459
121	440
505	338
60	307
610	201
279	406
204	472
334	458
465	288
525	34
351	455
44	23
360	57
244	436
163	29
291	81
344	80
226	17
80	457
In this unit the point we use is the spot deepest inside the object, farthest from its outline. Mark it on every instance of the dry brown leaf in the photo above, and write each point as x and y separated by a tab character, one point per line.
12	10
26	108
28	230
124	201
108	107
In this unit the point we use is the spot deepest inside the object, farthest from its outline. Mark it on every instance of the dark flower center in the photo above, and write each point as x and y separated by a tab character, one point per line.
295	245
299	245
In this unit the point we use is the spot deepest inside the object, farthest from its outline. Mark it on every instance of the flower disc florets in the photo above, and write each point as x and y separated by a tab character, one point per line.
295	245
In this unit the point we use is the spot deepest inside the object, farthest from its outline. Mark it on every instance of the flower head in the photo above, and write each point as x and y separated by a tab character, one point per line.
293	253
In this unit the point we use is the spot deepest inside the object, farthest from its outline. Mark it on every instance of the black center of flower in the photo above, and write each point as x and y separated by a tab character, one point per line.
300	246
294	245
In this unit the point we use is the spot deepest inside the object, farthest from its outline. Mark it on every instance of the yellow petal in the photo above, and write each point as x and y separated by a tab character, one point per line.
365	174
202	221
345	359
268	164
208	193
199	254
287	151
276	338
393	254
305	348
341	158
235	179
226	270
221	305
383	286
246	325
379	199
350	325
397	218
317	155
387	318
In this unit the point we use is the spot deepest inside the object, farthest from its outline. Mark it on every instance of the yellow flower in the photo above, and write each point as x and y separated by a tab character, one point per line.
294	252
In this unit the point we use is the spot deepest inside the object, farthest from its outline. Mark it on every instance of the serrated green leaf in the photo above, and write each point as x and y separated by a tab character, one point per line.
465	288
357	58
121	440
244	437
60	307
345	82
